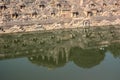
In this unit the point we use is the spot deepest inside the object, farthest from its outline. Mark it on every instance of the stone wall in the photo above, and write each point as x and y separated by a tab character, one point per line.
28	14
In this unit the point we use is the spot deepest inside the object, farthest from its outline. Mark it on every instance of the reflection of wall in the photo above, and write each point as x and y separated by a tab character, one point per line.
51	45
86	38
49	61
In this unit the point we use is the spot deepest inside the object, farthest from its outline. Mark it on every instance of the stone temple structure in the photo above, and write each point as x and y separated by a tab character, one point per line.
35	15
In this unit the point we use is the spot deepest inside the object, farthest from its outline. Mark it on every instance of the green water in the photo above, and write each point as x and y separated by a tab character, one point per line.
60	55
102	66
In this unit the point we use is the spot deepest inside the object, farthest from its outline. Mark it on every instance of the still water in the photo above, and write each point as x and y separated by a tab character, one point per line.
24	69
60	55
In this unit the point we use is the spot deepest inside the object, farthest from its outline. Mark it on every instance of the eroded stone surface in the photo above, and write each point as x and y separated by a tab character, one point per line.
34	15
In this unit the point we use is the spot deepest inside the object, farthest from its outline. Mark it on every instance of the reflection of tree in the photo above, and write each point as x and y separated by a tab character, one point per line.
115	49
86	58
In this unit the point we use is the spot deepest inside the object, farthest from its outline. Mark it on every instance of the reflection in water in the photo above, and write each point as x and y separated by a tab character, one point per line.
115	50
86	58
52	62
81	57
55	49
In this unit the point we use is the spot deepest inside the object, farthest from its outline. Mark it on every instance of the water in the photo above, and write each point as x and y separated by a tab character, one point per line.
59	55
24	69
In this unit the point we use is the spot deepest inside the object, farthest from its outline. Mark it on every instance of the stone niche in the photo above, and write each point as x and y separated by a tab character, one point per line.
42	4
3	7
14	15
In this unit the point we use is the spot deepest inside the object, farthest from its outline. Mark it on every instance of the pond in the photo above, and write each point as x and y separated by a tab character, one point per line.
84	67
62	55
